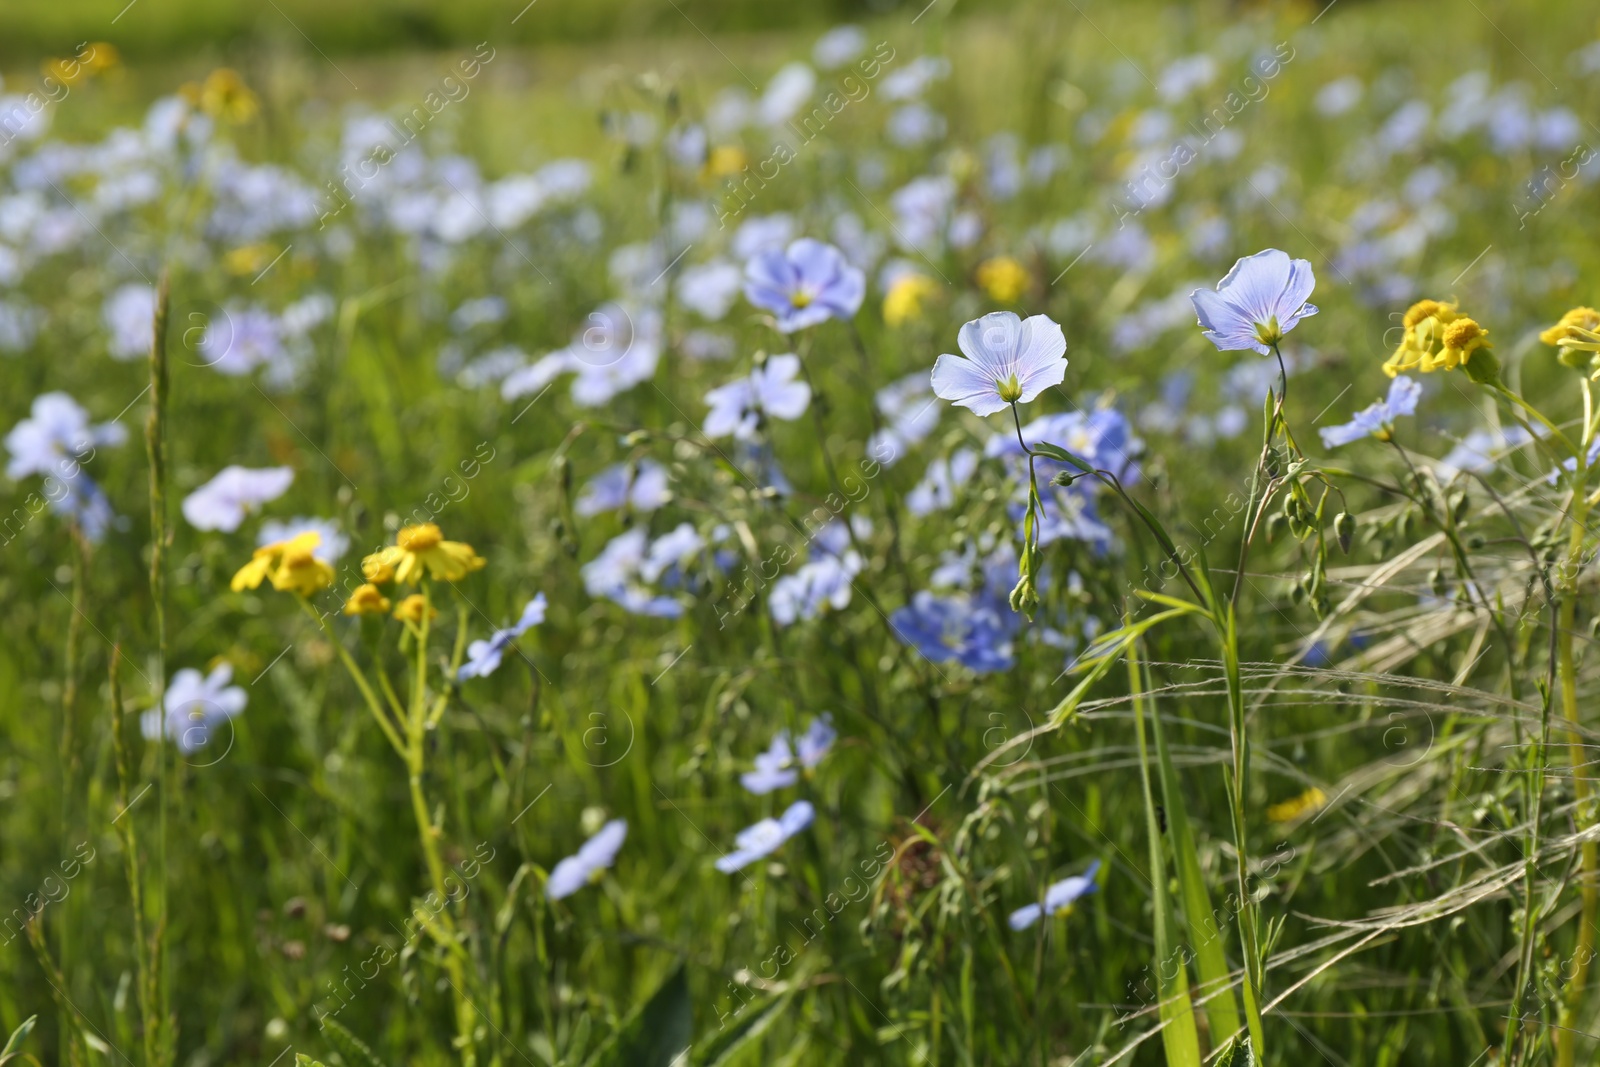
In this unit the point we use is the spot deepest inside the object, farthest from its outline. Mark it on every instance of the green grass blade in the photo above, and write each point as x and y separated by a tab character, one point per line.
1205	933
655	1034
1180	1037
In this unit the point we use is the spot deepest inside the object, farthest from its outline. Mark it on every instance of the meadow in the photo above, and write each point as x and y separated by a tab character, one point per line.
609	535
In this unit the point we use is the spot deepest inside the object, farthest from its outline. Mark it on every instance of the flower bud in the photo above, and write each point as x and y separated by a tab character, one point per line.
1344	530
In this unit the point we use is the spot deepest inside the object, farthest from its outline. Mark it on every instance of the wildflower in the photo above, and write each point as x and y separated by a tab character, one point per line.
944	477
912	411
483	657
422	548
291	565
192	705
592	858
1003	278
908	297
1377	418
129	315
1439	337
766	837
224	95
330	549
377	569
368	599
1058	899
818	585
709	289
224	501
1311	800
641	487
414	609
1262	298
615	574
617	350
775	768
1576	338
1009	361
770	390
971	631
804	285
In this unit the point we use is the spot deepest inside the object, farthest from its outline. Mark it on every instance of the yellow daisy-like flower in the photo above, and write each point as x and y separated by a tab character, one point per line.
411	609
423	548
1311	800
1422	348
291	566
223	95
377	569
908	297
725	161
1462	338
101	57
1003	279
367	600
1576	338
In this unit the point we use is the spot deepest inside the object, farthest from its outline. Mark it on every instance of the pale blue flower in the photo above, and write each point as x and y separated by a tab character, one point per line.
483	657
1479	451
1057	899
819	585
1262	298
839	46
912	411
224	501
779	766
130	315
615	575
771	390
709	289
193	706
593	856
944	477
806	284
971	631
1377	418
767	836
640	486
1009	360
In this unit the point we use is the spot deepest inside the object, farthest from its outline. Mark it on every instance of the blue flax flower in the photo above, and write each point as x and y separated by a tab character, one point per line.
483	657
1262	298
766	837
593	856
1009	360
776	767
805	284
1057	899
1377	418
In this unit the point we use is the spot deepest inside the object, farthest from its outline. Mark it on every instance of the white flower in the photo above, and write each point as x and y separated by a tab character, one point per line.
594	856
224	501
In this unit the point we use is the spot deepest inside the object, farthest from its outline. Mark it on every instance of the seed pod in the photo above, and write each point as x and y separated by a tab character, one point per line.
1275	526
1458	505
1298	593
1436	582
1344	529
1476	541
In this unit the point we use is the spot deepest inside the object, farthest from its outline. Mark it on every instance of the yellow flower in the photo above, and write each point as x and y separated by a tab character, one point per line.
377	569
1311	800
291	565
248	259
100	57
725	161
1462	338
224	95
366	600
1576	338
908	297
412	607
423	548
1422	348
1003	279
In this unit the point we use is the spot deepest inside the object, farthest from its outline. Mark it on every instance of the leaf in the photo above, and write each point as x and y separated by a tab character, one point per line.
1180	1037
13	1047
655	1034
355	1051
302	1060
722	1049
1238	1054
1205	935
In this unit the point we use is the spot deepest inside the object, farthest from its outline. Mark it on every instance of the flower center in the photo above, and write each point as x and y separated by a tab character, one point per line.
296	558
419	538
800	298
1269	333
1462	333
1010	389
